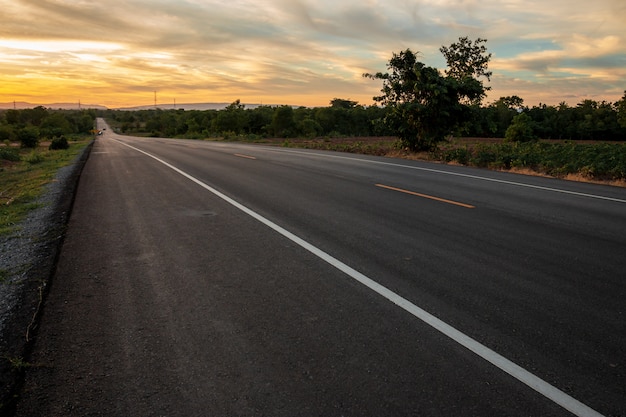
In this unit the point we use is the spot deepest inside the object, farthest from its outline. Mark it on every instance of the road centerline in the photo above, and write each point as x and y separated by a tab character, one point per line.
458	174
529	379
430	197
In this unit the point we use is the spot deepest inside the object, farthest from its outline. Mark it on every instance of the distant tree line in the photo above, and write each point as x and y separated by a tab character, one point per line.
341	118
589	120
30	126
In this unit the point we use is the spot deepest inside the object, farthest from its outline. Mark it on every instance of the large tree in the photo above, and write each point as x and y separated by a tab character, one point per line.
425	105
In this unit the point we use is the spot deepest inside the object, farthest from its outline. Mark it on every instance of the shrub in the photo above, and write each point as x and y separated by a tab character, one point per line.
229	135
59	143
28	136
461	155
9	154
6	133
521	129
484	155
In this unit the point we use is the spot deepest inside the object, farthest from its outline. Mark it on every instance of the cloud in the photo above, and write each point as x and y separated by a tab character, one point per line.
306	51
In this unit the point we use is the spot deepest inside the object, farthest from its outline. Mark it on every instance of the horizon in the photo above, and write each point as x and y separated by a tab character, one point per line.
202	106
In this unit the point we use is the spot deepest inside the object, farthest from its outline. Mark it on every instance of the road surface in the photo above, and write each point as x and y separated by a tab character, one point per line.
205	278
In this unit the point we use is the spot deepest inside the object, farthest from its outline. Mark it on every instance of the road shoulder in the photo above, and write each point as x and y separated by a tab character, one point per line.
29	257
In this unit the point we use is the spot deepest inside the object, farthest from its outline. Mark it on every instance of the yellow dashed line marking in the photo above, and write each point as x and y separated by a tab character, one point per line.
443	200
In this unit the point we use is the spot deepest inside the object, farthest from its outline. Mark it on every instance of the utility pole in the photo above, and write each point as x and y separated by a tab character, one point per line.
155	103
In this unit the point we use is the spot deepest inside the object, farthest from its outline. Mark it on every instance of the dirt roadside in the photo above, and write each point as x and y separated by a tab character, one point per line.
28	258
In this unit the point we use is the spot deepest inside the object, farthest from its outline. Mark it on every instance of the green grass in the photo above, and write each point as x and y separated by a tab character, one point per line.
23	181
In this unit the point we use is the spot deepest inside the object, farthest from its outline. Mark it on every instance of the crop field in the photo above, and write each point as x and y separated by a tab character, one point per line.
590	161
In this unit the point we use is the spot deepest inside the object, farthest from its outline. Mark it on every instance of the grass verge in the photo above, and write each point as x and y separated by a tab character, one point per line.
22	181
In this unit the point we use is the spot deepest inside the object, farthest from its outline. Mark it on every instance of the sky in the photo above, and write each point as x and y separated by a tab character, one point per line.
118	53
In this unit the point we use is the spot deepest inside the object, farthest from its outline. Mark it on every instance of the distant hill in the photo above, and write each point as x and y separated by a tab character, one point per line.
189	106
20	105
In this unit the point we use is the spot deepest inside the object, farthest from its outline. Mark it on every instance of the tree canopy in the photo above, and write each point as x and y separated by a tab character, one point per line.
425	105
468	61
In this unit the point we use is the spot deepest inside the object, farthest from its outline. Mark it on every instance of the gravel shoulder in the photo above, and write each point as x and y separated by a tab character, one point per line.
27	260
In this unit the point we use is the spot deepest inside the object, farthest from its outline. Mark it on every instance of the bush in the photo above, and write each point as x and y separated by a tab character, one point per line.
461	155
9	154
59	143
521	129
28	136
484	156
229	135
6	133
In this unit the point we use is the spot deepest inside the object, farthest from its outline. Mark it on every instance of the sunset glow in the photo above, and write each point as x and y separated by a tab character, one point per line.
300	52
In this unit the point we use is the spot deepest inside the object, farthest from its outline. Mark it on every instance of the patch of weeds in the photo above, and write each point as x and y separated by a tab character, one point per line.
4	276
34	158
18	363
14	276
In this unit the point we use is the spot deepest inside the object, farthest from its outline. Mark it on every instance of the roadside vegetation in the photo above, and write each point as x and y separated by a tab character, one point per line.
585	142
589	120
35	144
600	162
423	112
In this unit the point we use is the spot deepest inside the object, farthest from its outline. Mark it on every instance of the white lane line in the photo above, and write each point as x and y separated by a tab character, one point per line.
244	156
458	174
549	391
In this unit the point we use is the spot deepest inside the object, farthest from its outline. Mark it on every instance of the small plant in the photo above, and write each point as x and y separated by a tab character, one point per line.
18	363
4	275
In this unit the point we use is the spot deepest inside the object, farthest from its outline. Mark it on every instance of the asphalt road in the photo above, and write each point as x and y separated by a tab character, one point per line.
203	278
